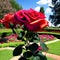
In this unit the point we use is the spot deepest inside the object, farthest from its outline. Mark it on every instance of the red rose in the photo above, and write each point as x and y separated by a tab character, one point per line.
33	20
8	18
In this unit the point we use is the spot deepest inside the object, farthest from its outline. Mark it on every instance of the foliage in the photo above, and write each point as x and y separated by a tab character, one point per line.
15	5
1	26
42	9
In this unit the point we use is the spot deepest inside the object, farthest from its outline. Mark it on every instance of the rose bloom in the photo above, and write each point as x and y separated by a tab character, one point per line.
8	18
33	20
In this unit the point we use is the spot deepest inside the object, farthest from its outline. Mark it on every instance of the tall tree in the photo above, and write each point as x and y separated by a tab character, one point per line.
42	9
15	5
55	17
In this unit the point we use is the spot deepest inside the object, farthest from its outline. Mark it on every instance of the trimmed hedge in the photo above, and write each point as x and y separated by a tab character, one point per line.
52	28
11	44
8	31
51	33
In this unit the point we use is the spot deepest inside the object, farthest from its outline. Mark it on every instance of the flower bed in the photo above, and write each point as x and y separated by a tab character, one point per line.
46	37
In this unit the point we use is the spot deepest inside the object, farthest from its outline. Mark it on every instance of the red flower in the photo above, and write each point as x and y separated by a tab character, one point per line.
8	18
33	20
39	49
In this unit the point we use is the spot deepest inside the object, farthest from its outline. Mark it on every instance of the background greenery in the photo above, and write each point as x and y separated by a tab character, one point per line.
15	5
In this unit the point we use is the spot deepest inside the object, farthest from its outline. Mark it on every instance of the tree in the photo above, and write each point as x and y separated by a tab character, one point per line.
15	5
55	17
42	9
7	6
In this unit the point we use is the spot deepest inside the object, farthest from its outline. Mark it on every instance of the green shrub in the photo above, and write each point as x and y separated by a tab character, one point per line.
11	44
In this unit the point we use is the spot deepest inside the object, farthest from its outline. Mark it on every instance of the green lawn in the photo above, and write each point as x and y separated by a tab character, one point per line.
7	55
54	48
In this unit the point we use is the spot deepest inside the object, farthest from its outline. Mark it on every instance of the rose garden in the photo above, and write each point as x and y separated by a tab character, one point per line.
27	36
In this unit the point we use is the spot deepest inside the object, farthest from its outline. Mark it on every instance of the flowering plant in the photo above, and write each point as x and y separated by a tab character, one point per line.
46	37
31	22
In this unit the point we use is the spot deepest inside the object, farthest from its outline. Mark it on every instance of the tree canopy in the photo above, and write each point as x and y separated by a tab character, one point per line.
15	5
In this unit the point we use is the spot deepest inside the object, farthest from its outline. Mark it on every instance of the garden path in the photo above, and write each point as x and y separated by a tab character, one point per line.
55	57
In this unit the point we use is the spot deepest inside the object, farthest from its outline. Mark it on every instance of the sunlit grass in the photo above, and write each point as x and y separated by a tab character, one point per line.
54	48
8	54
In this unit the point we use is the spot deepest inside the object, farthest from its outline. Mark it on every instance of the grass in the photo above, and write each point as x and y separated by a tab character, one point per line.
7	55
54	48
49	58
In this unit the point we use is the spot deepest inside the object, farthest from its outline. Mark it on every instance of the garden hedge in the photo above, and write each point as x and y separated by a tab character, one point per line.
51	33
11	44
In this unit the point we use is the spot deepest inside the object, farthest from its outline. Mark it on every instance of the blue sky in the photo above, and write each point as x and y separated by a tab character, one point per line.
36	4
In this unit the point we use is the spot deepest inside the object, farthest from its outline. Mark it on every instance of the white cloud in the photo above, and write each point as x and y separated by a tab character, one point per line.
48	10
50	4
50	24
44	2
37	8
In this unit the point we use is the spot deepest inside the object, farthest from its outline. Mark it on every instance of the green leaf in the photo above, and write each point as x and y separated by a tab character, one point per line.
42	57
17	51
21	34
33	47
43	45
36	39
36	58
27	54
39	53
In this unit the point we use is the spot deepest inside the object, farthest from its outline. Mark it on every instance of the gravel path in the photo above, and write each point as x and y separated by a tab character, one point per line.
55	57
